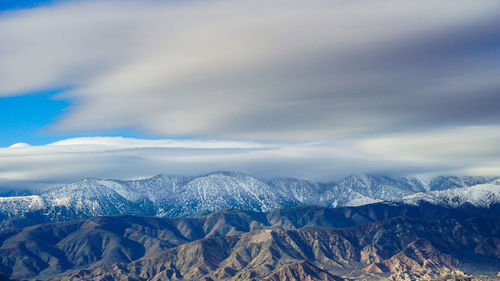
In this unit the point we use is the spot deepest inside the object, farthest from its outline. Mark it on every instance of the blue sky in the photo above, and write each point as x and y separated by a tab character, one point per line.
24	118
27	118
22	4
385	86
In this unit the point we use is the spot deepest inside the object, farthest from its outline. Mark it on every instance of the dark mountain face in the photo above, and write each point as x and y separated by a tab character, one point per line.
303	243
390	249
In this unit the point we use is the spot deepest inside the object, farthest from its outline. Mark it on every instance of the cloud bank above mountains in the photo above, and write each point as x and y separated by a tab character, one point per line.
314	89
447	152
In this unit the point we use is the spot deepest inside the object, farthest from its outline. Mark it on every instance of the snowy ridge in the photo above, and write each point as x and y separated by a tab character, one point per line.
224	190
90	197
172	196
377	187
158	188
296	191
481	195
442	182
343	195
17	205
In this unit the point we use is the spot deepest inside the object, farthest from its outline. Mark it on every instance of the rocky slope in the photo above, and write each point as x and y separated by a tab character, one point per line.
371	242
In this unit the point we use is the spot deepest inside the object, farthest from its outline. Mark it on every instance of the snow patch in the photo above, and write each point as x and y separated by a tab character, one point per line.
481	195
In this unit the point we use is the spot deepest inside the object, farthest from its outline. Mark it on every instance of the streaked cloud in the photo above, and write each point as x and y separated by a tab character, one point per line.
316	89
261	70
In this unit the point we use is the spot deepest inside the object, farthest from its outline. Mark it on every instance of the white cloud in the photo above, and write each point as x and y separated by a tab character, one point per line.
471	150
105	143
118	157
19	144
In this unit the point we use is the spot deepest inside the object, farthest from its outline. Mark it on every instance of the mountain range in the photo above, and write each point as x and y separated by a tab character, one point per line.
179	196
373	242
232	226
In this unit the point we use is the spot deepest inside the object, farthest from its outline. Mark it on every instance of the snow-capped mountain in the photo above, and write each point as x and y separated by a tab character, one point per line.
171	196
161	195
480	195
18	205
359	190
297	191
338	195
160	188
222	190
447	182
93	197
377	187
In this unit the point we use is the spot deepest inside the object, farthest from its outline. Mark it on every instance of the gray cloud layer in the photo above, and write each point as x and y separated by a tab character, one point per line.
386	86
281	70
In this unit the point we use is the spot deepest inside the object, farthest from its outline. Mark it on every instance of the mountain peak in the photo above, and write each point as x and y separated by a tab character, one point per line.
481	195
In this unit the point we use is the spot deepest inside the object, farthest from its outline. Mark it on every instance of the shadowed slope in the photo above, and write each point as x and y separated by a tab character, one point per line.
388	249
231	243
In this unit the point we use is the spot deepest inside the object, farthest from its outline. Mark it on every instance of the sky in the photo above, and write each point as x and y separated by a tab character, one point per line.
312	89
